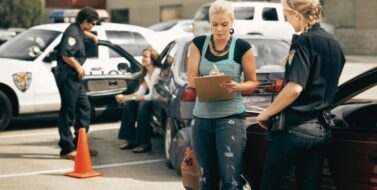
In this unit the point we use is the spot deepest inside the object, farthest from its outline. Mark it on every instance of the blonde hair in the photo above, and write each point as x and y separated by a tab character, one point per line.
221	6
310	10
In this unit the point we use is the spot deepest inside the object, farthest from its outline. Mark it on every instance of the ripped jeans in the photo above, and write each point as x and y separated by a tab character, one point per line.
219	145
298	149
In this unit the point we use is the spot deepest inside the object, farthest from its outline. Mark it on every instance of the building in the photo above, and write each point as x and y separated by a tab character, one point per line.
354	20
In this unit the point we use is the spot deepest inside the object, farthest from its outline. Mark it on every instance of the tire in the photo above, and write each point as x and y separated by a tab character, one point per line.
170	132
5	111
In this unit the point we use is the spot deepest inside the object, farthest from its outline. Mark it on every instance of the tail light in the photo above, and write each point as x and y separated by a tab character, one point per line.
189	95
275	86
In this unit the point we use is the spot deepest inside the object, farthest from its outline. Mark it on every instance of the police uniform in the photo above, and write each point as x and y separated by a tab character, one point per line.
75	104
315	62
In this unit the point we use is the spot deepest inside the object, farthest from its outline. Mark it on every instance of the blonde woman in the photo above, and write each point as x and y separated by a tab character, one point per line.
312	72
219	134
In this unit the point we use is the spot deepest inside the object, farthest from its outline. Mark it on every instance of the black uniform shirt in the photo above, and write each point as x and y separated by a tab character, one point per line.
315	62
71	45
241	48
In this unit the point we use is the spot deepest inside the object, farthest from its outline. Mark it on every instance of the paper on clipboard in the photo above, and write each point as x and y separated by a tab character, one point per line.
208	88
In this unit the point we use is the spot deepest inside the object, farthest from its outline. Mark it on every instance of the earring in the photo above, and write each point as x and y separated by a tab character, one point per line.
231	31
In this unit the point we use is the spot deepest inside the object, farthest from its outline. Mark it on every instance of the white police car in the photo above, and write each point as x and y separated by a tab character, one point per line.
27	85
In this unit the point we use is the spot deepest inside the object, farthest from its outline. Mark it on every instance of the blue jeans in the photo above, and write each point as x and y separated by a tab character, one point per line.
299	149
219	146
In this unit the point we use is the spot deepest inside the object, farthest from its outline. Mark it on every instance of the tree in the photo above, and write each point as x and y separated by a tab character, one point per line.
20	13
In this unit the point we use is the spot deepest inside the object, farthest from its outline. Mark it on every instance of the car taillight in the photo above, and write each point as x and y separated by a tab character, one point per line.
275	86
189	94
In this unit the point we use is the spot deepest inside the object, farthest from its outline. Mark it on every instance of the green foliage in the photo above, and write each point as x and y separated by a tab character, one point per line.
20	13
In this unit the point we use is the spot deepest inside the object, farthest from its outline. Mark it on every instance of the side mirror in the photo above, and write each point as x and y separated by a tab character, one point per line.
123	67
34	51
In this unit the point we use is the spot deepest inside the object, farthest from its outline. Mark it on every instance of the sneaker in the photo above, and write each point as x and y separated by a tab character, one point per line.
69	156
93	152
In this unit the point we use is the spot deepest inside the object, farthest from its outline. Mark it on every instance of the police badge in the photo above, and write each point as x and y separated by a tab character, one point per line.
22	80
71	41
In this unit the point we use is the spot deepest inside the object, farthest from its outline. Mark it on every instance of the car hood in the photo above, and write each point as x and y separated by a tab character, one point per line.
14	65
355	86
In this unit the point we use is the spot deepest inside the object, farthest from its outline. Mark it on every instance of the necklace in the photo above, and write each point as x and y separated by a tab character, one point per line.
222	50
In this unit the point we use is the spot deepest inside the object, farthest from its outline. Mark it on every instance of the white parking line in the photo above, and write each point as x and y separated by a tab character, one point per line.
70	169
55	132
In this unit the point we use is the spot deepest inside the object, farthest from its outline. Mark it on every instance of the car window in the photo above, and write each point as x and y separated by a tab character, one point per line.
168	60
240	13
269	52
244	13
28	45
91	49
162	26
185	61
132	42
141	43
202	13
270	14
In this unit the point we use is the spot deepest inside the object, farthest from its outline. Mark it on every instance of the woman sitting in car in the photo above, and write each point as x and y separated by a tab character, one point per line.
135	126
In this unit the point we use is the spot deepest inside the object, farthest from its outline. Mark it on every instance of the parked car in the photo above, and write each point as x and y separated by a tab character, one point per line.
171	30
180	99
261	18
27	85
352	159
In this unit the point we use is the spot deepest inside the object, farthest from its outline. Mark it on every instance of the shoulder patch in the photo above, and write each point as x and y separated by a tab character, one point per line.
71	41
290	56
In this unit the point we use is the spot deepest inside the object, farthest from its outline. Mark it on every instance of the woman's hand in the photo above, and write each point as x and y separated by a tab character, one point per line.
121	98
215	72
262	120
230	86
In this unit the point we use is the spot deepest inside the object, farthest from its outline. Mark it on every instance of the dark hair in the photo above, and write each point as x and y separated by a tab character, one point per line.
87	13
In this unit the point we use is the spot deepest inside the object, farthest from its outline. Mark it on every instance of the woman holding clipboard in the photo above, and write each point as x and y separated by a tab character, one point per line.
219	133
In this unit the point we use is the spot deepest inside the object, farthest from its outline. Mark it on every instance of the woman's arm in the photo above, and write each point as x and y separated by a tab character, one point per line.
91	36
137	96
285	98
193	64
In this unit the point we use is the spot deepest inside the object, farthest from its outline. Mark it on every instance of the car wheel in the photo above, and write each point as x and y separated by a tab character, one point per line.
5	111
170	132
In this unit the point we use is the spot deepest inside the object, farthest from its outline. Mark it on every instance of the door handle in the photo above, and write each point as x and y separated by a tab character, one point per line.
97	68
372	156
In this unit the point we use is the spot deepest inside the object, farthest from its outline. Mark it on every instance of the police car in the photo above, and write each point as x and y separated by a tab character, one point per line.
27	83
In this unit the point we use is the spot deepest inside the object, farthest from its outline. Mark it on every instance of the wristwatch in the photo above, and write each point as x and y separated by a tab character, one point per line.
133	98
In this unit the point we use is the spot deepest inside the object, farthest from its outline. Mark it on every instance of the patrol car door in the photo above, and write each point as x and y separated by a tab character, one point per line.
124	78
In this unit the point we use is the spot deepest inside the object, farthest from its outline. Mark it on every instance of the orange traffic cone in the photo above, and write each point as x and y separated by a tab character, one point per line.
83	163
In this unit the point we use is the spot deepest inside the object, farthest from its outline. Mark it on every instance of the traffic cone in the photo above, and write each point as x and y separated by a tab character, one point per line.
83	163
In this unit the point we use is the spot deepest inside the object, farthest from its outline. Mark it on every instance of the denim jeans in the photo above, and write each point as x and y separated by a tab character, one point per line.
219	146
299	149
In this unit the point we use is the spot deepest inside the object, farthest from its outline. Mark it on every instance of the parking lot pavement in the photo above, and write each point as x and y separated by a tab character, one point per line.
29	159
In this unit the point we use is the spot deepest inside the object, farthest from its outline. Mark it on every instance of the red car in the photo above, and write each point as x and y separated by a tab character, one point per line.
351	163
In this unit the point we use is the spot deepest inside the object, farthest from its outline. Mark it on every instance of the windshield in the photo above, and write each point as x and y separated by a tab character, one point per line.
28	45
240	13
269	52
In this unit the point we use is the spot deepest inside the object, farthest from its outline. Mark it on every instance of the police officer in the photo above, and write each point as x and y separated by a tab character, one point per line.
75	104
313	67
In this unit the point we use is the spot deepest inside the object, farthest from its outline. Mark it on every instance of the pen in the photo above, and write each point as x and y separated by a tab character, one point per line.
214	66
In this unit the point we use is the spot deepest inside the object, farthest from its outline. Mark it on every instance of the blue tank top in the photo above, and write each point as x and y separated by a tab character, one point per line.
223	108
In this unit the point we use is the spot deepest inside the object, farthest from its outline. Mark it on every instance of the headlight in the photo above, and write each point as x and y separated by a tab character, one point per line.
22	80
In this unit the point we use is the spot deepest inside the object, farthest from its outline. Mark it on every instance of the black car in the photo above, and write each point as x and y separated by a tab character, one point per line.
180	99
351	162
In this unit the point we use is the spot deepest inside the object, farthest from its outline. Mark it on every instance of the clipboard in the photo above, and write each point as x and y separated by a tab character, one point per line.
208	88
